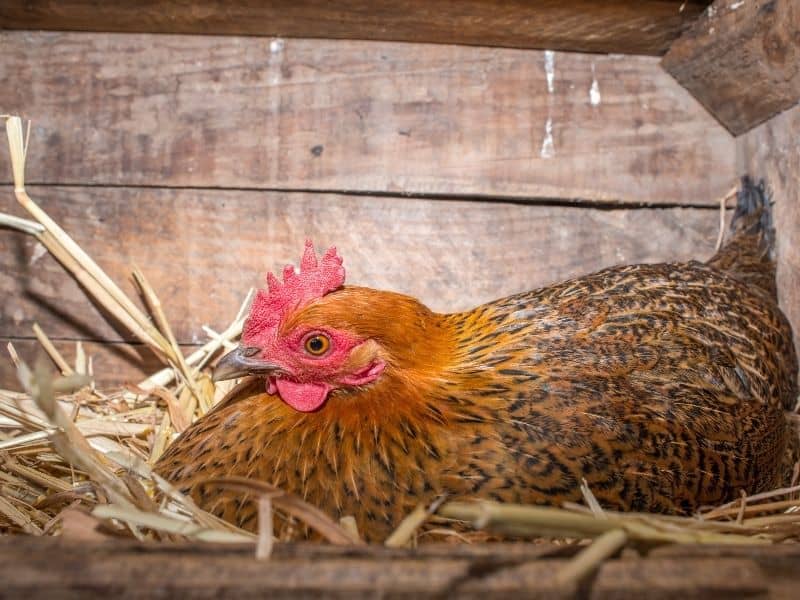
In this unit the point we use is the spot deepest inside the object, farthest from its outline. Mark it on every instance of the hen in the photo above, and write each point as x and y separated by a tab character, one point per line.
662	385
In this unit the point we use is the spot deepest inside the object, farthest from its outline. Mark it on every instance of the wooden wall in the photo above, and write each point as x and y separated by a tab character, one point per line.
457	174
772	151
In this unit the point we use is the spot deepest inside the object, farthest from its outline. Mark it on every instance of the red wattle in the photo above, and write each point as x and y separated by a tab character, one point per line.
305	397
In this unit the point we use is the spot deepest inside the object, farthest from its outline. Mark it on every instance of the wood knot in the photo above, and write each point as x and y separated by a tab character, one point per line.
775	48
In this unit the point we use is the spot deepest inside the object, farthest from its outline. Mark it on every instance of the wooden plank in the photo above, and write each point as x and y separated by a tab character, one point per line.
203	249
624	26
741	60
393	118
114	364
48	567
778	563
772	151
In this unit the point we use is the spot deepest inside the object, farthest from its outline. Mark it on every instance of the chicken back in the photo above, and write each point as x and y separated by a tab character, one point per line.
664	386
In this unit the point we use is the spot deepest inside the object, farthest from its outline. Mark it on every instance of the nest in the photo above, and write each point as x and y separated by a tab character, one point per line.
73	456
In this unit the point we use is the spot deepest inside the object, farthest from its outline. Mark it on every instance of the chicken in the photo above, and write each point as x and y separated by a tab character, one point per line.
662	385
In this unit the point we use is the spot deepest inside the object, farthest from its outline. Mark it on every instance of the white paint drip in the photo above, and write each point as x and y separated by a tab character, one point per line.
38	252
594	90
276	50
550	69
548	149
594	93
736	5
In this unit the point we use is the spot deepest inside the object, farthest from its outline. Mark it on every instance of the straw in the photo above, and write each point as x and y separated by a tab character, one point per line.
525	521
51	350
588	560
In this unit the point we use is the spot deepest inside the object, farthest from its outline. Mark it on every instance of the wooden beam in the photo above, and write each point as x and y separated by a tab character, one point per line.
623	26
772	151
203	249
741	60
370	117
47	567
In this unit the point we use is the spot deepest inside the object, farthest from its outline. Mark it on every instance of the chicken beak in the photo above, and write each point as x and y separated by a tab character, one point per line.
241	362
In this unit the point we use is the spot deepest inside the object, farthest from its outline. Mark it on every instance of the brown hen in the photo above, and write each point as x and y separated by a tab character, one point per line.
663	386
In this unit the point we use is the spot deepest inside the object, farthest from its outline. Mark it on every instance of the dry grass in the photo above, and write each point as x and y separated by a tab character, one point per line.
66	445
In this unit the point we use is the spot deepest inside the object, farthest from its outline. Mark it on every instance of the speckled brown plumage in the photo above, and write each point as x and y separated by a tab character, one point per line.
662	385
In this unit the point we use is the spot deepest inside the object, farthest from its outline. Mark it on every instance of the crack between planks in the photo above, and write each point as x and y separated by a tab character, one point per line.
74	339
574	202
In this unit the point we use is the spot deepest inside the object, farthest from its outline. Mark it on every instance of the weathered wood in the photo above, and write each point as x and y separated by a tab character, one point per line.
741	60
203	249
46	567
223	112
779	564
624	26
772	151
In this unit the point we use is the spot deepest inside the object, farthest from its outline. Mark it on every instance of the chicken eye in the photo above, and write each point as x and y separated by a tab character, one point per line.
317	344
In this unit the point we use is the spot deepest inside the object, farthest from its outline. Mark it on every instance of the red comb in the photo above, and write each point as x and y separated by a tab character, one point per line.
315	279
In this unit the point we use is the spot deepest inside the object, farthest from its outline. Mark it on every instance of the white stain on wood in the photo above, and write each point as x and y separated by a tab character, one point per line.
594	90
550	69
276	45
276	58
548	148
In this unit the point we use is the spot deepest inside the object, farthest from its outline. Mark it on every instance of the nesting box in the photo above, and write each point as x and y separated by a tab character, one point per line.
453	151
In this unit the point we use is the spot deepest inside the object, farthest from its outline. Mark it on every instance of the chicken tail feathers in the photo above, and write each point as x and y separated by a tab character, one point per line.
748	253
753	215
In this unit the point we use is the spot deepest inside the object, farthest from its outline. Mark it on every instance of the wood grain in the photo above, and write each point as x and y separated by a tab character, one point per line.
164	110
772	151
47	567
624	26
741	60
203	249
